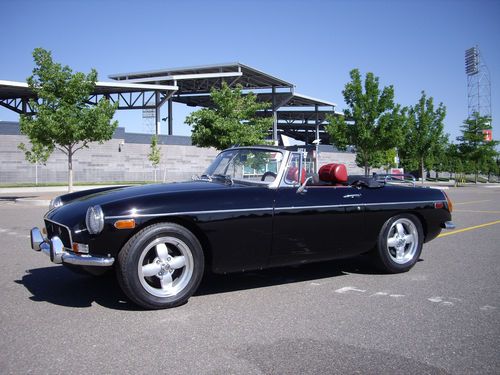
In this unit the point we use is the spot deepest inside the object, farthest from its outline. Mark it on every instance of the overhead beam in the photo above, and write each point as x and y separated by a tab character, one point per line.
16	95
180	77
130	87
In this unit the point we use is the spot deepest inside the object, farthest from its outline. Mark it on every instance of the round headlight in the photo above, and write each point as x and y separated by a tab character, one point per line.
56	202
94	219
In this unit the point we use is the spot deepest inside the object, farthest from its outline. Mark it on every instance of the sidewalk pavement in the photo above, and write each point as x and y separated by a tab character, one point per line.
39	196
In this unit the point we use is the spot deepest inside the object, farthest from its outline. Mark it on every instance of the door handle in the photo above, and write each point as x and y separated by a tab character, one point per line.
352	196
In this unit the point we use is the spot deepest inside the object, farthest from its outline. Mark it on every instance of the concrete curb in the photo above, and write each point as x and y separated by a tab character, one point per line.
33	202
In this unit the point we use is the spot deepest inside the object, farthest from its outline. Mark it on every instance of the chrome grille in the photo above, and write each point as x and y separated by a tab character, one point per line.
55	229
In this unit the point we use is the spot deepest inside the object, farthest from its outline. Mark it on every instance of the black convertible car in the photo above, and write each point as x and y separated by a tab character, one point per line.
254	207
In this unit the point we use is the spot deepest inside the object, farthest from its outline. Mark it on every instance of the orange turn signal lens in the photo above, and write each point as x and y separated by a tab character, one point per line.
450	204
125	224
80	248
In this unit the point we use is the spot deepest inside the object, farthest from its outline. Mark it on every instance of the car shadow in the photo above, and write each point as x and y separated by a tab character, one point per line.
220	283
12	198
60	286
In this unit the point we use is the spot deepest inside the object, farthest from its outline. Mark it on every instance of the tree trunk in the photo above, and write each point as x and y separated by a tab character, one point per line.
70	170
422	173
367	169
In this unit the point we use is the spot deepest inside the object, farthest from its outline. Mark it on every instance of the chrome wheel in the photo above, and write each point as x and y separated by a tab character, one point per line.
402	241
165	266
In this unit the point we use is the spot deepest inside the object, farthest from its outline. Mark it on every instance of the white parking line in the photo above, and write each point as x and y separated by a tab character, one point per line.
487	307
379	294
349	289
437	300
13	233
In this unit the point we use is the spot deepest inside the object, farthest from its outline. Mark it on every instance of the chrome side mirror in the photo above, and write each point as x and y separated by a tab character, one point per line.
302	188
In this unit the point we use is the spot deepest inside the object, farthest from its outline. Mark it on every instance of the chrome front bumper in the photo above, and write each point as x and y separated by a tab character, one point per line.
54	248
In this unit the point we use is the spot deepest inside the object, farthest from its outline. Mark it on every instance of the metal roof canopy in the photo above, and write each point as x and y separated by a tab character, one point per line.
281	99
191	86
196	80
200	79
300	117
16	96
15	89
302	124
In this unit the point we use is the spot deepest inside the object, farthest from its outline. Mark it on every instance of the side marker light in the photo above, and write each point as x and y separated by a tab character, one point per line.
125	224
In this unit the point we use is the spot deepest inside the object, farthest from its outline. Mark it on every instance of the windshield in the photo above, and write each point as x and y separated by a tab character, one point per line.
246	164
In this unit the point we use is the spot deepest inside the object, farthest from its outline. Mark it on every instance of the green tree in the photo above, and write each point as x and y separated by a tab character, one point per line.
372	123
380	159
473	146
456	165
424	138
38	154
154	155
231	121
62	117
389	159
490	168
439	159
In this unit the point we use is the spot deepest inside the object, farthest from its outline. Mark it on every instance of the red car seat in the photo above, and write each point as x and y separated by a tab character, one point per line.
333	173
293	174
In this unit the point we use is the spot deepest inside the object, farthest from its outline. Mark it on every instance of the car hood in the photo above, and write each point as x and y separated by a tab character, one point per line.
121	201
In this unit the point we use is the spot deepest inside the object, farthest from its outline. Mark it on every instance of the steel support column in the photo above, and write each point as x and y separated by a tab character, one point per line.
157	112
317	120
306	131
317	138
275	117
170	119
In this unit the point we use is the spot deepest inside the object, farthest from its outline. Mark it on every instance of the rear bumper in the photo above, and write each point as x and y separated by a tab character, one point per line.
54	248
448	225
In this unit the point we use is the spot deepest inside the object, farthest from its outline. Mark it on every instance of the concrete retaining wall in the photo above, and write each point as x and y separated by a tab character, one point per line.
106	163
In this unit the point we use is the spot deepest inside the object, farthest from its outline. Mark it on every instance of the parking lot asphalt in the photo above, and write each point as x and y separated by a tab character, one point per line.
441	317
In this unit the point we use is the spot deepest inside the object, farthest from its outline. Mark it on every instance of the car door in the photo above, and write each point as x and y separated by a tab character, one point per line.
323	222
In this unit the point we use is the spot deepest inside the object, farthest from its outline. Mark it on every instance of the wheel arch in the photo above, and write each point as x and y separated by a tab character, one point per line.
423	222
189	225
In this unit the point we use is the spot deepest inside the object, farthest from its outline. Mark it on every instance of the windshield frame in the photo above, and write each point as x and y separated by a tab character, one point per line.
272	185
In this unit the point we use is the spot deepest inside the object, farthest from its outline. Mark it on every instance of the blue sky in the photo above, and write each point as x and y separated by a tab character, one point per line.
413	45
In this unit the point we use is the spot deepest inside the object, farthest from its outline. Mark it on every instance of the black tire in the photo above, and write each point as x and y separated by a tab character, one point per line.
399	246
170	249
